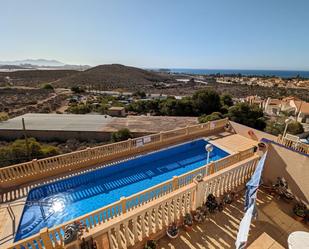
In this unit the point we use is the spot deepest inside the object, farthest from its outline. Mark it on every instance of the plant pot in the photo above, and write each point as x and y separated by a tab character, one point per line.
150	244
188	222
298	218
199	177
262	146
172	236
199	218
188	228
172	231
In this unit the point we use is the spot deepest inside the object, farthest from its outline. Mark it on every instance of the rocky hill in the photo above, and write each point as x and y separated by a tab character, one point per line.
104	77
113	76
33	78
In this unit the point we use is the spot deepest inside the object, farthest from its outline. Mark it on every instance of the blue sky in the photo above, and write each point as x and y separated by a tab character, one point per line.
223	34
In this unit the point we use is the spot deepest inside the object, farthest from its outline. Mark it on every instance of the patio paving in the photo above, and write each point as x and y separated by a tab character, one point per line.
234	143
270	230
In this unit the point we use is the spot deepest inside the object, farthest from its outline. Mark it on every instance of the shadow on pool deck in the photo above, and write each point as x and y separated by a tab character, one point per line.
220	230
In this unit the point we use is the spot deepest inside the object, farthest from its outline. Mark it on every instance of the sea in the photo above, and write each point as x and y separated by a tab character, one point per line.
278	73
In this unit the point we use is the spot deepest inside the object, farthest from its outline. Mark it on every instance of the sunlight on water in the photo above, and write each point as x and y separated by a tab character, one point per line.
58	205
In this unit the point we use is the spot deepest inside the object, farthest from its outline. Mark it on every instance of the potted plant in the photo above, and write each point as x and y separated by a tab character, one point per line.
300	211
204	210
211	203
228	198
281	188
199	177
172	231
199	216
261	146
150	244
188	222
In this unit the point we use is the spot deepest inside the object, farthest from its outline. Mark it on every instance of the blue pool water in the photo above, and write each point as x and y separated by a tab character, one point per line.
67	199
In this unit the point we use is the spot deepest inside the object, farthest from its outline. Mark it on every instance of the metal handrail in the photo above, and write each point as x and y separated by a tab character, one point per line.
19	203
13	218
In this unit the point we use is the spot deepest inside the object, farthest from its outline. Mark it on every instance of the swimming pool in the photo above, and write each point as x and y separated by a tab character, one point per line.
55	203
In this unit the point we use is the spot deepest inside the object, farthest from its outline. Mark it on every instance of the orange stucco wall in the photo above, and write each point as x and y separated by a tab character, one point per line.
293	166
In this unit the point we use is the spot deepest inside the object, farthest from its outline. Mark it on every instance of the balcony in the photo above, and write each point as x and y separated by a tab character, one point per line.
123	225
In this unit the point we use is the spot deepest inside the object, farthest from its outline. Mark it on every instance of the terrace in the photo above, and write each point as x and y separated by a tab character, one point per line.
133	219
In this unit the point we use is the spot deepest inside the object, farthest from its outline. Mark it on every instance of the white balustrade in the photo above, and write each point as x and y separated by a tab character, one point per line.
34	170
127	229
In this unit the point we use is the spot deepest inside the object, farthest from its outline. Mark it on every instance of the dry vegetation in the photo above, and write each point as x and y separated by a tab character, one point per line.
108	77
16	102
115	76
33	78
237	91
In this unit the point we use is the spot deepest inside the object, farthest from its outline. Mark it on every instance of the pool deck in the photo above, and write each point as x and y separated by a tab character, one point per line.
269	231
229	142
234	143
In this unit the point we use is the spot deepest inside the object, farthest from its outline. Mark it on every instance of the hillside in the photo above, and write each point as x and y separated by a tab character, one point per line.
33	78
107	77
11	67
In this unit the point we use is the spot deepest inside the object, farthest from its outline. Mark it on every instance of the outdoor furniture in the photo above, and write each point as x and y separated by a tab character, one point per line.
298	240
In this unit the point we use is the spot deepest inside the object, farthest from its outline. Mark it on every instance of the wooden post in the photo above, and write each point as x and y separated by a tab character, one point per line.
26	138
45	238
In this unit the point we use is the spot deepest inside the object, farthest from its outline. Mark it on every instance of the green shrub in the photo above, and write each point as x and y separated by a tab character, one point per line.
121	135
214	116
276	128
79	109
16	152
226	100
48	87
77	89
206	101
49	150
3	116
295	128
250	115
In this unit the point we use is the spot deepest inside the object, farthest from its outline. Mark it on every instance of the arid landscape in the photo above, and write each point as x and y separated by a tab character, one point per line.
124	78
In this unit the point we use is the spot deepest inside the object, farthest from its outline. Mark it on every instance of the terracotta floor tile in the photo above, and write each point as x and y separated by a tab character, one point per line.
220	230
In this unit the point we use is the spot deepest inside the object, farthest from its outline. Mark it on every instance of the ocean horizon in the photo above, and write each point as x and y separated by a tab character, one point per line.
245	72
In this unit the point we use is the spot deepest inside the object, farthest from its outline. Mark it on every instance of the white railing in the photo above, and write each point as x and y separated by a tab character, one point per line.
37	169
133	228
126	227
297	145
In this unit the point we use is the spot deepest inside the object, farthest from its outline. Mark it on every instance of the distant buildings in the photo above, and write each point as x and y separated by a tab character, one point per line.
264	81
289	105
116	111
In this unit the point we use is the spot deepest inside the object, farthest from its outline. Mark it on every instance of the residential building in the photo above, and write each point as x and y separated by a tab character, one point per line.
272	107
116	111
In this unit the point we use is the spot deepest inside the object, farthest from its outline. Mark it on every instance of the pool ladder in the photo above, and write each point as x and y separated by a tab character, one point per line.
9	209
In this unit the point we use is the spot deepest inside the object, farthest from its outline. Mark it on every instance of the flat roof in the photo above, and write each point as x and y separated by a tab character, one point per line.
116	108
95	122
69	122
